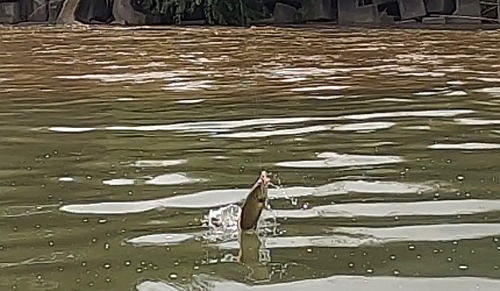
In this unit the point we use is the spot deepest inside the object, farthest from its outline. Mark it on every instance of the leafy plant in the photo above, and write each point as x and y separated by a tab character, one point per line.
232	12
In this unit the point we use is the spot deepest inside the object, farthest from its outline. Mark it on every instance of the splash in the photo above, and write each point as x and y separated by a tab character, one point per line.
222	224
293	200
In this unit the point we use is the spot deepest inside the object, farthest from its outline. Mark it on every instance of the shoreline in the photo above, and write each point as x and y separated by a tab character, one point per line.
322	25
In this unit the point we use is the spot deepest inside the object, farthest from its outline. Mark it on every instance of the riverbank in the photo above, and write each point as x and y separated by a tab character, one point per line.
311	25
359	13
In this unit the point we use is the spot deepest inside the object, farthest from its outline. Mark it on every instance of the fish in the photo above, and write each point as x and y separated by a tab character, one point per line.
254	204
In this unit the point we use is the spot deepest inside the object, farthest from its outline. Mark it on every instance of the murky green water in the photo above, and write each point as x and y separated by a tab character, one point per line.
116	142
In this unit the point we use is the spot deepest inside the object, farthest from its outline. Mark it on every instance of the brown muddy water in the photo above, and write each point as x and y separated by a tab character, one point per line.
116	142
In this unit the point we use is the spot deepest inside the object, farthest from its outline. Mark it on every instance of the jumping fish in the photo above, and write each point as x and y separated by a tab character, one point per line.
254	204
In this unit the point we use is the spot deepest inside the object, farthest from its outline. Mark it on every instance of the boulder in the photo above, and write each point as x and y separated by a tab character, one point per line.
67	13
317	10
89	11
10	12
55	7
270	4
350	13
434	20
409	9
440	6
467	8
386	19
25	8
284	13
124	13
39	11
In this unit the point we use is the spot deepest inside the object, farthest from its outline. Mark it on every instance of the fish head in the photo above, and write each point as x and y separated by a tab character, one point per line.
261	186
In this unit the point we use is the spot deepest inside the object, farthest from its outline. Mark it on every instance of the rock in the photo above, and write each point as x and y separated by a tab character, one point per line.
91	11
387	19
270	4
411	8
55	7
434	20
124	13
67	13
283	13
350	13
10	12
24	9
314	10
468	8
440	6
39	11
408	22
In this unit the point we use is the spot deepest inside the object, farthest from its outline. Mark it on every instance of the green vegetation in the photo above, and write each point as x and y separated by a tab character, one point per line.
232	12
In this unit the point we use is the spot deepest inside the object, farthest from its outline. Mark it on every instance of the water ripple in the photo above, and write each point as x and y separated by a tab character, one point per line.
214	198
221	126
475	121
352	237
421	113
364	126
465	146
188	86
119	182
130	77
173	179
335	160
338	282
319	88
158	163
55	257
268	133
160	239
434	208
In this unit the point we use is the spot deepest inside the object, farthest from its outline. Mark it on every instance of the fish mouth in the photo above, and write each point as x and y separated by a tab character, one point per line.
263	180
262	183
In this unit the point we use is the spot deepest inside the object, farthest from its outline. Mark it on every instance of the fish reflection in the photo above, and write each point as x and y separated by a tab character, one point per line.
252	256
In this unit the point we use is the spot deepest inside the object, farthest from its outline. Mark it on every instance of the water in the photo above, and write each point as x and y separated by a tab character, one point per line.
116	143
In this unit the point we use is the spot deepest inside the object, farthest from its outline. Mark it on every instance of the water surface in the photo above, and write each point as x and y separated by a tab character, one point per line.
115	143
